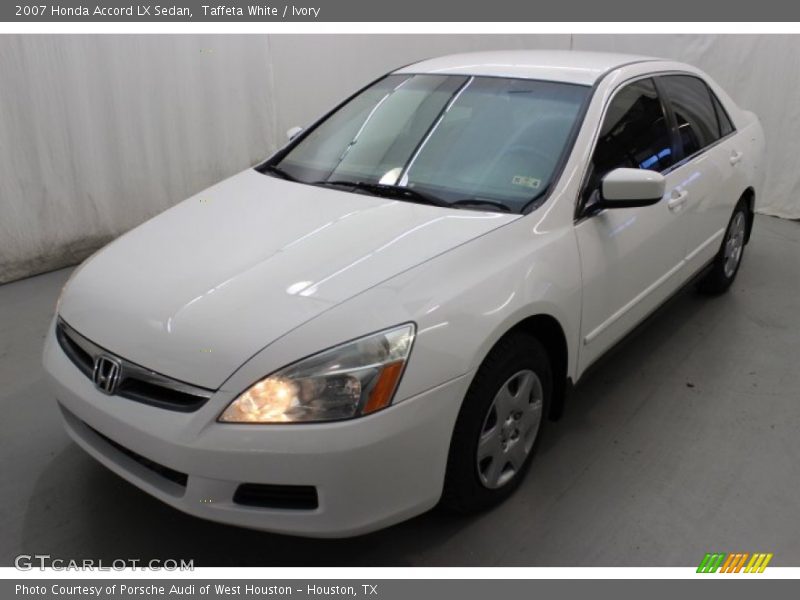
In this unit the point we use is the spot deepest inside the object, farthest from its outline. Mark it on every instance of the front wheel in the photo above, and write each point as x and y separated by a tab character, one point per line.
499	424
729	258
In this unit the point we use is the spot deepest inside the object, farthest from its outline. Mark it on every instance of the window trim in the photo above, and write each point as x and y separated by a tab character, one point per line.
674	128
716	102
684	158
580	205
691	157
579	214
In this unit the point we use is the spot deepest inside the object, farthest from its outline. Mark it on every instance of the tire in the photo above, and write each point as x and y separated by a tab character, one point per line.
729	258
504	409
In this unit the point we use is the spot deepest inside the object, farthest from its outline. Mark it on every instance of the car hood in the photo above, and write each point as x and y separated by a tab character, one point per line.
198	290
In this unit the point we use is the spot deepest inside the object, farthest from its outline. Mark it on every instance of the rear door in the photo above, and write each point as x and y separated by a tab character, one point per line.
709	158
631	258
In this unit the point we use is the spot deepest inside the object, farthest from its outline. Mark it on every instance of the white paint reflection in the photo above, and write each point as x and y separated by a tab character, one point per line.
502	306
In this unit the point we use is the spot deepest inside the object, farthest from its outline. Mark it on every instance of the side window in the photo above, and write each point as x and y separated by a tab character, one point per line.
634	134
690	100
725	125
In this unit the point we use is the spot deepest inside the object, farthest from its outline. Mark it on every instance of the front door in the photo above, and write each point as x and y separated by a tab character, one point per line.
631	258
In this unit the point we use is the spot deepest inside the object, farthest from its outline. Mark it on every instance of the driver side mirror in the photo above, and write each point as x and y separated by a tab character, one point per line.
628	188
292	133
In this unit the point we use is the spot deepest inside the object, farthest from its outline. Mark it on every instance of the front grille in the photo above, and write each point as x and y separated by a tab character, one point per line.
165	472
79	357
135	382
293	497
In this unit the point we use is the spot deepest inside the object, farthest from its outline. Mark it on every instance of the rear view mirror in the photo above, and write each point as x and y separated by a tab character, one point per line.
292	133
627	188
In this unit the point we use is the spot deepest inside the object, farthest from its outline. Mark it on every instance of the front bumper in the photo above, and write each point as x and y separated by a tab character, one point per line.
369	473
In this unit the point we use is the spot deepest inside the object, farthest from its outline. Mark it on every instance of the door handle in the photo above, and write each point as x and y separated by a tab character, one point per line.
736	156
676	201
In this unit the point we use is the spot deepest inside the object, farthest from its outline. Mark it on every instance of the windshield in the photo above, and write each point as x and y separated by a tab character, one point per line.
488	142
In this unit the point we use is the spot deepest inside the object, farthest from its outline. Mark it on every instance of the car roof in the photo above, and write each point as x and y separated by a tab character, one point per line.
569	66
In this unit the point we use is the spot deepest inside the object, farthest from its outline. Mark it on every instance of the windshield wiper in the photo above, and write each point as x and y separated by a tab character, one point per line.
389	191
475	202
414	195
279	172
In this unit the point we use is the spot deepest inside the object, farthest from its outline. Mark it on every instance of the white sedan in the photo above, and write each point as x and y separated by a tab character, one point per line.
380	317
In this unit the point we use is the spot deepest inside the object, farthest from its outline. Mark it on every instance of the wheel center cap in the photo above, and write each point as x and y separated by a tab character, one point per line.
509	433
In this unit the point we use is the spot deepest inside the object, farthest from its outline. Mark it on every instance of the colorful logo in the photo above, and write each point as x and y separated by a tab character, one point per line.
734	562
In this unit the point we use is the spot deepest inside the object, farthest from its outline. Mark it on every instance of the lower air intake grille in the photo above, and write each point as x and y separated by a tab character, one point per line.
165	472
292	497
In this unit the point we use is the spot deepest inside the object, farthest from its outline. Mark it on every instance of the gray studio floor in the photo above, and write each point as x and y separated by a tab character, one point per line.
686	440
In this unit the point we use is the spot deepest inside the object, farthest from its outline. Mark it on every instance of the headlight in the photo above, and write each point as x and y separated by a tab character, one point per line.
351	380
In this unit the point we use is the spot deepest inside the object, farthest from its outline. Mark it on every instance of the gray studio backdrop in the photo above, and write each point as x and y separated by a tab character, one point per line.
99	133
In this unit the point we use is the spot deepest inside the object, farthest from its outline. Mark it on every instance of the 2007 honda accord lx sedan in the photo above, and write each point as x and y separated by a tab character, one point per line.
381	316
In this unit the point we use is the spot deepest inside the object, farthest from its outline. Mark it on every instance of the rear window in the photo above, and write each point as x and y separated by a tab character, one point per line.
690	100
725	125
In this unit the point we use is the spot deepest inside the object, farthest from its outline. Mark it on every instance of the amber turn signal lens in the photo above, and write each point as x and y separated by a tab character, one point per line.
384	389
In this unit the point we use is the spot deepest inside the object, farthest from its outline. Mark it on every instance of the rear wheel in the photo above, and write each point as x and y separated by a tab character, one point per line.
499	424
729	258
